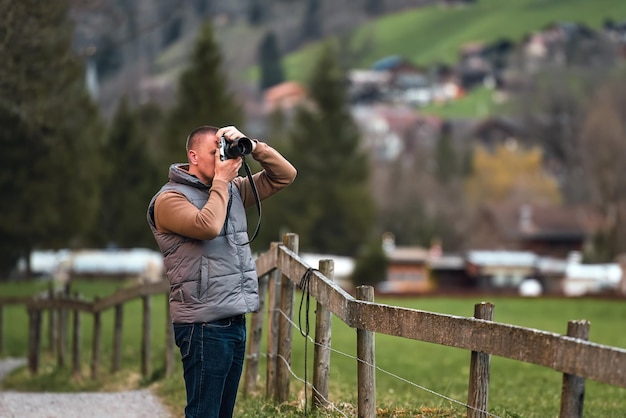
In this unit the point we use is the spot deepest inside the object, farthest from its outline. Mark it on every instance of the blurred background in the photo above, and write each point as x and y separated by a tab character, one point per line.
440	145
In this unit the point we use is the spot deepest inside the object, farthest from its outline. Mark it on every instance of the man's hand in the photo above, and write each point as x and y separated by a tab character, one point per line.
226	170
231	133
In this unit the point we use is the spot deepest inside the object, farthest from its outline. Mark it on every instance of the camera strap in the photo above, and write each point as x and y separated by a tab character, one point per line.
256	198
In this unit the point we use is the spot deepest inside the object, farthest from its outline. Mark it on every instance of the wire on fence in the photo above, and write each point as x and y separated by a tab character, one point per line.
381	370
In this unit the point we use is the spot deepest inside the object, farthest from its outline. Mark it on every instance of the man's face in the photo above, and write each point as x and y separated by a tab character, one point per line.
202	158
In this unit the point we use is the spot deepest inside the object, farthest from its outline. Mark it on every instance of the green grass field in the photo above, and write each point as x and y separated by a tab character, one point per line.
437	376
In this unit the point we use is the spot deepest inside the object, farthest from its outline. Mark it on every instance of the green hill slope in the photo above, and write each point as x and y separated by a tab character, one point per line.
434	34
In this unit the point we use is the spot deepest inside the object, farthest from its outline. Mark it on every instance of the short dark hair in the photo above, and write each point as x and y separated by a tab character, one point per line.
196	133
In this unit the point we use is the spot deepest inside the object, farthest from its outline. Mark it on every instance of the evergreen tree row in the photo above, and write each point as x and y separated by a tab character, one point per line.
69	180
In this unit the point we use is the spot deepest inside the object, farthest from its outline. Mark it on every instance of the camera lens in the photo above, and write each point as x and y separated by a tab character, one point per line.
244	146
239	147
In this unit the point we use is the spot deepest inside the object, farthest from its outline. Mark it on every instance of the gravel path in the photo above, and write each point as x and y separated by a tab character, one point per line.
128	404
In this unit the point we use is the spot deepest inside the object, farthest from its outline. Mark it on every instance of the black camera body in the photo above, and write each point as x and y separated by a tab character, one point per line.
234	149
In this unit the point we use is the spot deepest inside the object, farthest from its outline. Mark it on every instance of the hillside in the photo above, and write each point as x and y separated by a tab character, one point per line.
138	46
435	33
424	31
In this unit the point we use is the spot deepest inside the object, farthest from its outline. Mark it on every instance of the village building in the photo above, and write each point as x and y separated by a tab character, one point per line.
544	230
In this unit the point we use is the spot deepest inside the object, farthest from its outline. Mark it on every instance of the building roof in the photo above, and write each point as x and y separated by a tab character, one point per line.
541	222
447	262
387	63
502	258
408	255
284	95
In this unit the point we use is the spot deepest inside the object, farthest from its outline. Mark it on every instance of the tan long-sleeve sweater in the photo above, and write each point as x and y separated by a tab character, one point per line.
173	213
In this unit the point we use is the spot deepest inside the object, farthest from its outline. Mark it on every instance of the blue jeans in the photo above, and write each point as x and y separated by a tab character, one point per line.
212	355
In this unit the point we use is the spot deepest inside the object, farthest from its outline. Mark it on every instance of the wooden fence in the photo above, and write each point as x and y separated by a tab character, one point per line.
59	307
280	270
571	354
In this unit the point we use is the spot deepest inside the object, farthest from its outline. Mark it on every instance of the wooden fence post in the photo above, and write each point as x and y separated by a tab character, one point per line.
116	361
60	337
145	340
34	339
273	302
169	338
52	326
254	341
97	336
63	334
480	371
573	390
321	355
76	344
52	331
287	294
365	352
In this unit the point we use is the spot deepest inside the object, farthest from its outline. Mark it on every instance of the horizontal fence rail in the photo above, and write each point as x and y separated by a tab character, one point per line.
121	296
58	306
565	354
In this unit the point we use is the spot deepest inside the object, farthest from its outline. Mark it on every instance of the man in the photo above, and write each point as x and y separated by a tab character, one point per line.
198	220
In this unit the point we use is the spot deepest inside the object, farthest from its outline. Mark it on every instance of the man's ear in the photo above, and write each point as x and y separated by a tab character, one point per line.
193	157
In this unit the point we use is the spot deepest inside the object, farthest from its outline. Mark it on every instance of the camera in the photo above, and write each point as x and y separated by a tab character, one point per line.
234	149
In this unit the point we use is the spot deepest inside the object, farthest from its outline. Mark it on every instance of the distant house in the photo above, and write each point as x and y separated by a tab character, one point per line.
582	279
504	271
407	271
414	89
395	79
554	44
544	230
409	83
534	50
496	130
500	270
550	273
368	86
416	270
483	64
474	67
391	130
396	64
449	275
284	96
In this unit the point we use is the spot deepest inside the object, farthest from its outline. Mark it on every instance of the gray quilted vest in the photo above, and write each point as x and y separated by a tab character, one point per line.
209	279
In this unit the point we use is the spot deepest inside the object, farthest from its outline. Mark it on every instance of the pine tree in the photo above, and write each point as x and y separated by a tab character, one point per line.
273	222
329	205
129	183
203	97
371	266
445	155
312	20
270	62
51	132
256	12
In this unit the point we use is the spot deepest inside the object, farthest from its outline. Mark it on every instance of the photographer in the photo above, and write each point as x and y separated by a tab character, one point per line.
198	220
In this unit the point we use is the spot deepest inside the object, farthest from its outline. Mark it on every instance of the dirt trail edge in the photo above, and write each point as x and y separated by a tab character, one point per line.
127	404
